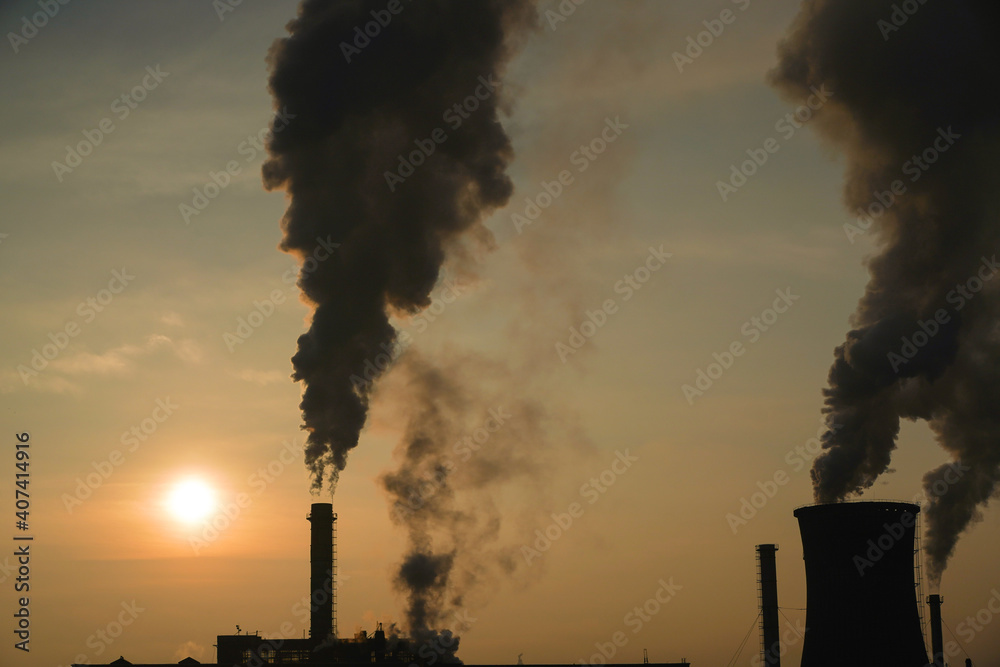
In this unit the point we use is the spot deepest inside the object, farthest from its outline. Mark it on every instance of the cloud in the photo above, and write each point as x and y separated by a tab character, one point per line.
172	319
261	378
117	361
10	382
120	361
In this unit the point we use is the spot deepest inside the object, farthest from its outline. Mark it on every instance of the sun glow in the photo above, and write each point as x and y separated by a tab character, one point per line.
191	501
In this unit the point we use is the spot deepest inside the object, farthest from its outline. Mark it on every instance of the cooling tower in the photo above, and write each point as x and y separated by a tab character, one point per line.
861	601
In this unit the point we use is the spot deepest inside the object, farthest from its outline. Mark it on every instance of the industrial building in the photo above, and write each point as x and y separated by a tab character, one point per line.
323	647
862	589
862	601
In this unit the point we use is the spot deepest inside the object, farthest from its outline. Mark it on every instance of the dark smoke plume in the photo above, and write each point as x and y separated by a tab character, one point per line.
913	80
362	86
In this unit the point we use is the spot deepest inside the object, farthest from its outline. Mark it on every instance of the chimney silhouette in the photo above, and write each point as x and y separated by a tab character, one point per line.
767	580
322	571
861	602
937	638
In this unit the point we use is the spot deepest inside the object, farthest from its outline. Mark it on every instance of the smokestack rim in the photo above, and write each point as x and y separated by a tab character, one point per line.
817	508
320	511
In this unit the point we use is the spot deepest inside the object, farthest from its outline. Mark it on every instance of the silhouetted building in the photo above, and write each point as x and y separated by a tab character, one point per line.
323	648
861	599
253	650
188	662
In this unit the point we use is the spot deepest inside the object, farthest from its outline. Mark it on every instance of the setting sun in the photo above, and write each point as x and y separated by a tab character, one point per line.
191	500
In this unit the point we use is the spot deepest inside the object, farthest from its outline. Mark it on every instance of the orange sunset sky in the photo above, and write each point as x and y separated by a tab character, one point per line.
170	336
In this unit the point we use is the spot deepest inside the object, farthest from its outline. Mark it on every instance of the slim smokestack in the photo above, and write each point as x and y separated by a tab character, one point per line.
322	572
861	605
767	580
937	640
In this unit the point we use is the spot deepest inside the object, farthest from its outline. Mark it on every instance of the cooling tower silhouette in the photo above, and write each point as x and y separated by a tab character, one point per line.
861	600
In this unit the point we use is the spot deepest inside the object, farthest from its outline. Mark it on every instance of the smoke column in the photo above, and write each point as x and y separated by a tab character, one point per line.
470	470
910	84
365	89
423	496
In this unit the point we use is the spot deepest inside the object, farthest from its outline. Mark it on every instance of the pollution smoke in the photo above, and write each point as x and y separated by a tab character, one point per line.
393	157
909	84
472	444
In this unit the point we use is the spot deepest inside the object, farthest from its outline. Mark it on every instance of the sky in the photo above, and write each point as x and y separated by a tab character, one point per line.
145	345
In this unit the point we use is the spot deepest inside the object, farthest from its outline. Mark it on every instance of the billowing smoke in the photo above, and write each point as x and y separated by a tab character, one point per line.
468	475
393	156
420	492
910	84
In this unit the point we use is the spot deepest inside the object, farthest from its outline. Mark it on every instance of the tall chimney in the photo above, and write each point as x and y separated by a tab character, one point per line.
767	581
937	639
861	603
322	572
